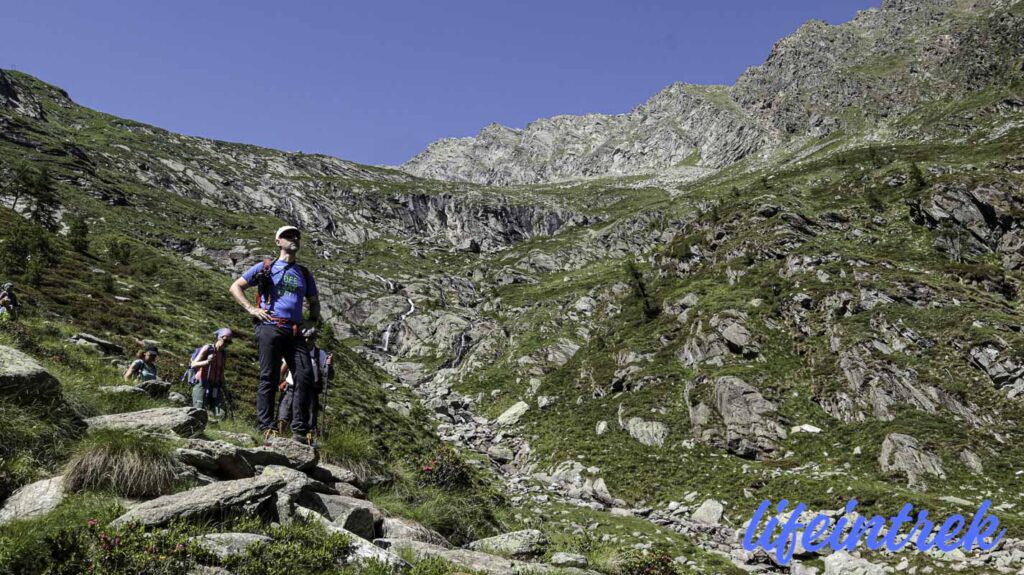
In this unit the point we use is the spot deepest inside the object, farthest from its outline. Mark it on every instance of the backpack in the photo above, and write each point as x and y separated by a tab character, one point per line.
191	375
264	281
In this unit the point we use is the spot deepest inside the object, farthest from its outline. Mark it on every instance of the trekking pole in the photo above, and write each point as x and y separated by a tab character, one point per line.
228	411
322	405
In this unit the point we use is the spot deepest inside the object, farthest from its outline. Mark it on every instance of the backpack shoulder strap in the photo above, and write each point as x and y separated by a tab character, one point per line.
306	276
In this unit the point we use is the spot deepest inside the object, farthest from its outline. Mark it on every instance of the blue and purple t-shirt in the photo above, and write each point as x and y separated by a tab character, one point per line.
289	289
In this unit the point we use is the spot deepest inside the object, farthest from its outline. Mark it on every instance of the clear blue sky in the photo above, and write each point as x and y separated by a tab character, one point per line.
376	81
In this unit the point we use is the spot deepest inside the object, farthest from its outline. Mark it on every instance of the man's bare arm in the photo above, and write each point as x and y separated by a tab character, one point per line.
237	291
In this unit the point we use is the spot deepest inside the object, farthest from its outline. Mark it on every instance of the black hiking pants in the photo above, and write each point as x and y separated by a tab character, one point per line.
276	343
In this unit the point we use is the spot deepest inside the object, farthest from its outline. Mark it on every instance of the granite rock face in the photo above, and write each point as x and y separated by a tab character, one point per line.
681	125
822	78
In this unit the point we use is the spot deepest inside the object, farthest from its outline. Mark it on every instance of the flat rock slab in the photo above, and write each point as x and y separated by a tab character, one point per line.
208	500
183	421
33	500
476	560
561	559
19	374
523	544
225	545
333	474
285	452
101	344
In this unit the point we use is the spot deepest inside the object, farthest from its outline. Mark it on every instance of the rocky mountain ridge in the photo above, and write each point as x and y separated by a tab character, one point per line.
852	77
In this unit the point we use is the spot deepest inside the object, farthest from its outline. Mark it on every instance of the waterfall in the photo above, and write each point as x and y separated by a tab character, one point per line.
460	350
385	337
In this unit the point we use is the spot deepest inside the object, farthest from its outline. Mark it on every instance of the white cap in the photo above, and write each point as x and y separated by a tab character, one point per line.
284	229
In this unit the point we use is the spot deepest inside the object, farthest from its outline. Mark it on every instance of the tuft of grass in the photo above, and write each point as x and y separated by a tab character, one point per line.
461	515
353	449
128	464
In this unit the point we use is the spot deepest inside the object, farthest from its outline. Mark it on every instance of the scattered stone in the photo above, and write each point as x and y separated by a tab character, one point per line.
511	415
500	453
710	512
602	428
20	374
362	551
842	563
397	528
650	433
225	545
524	544
805	428
902	454
562	559
33	500
101	345
355	515
972	461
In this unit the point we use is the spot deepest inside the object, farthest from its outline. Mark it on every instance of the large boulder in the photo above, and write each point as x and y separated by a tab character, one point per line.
362	551
218	458
33	500
709	512
842	563
20	374
903	455
356	515
748	426
285	452
225	545
650	433
183	421
511	415
524	544
398	528
211	500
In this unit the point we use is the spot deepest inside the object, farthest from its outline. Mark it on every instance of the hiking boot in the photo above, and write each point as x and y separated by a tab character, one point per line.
268	437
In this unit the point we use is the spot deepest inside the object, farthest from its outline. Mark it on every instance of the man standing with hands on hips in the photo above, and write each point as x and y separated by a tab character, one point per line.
282	286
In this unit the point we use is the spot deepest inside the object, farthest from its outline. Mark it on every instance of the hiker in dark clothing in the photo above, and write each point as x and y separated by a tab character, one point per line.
144	367
9	305
282	285
208	386
323	369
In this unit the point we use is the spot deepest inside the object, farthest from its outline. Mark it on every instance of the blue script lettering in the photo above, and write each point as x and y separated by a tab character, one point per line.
782	538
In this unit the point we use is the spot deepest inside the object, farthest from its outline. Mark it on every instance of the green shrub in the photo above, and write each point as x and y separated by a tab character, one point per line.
297	548
78	234
119	252
653	562
445	469
131	465
28	547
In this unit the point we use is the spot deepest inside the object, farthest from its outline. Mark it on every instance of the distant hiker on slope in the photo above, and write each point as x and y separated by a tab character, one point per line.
282	286
144	367
323	369
207	381
9	305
